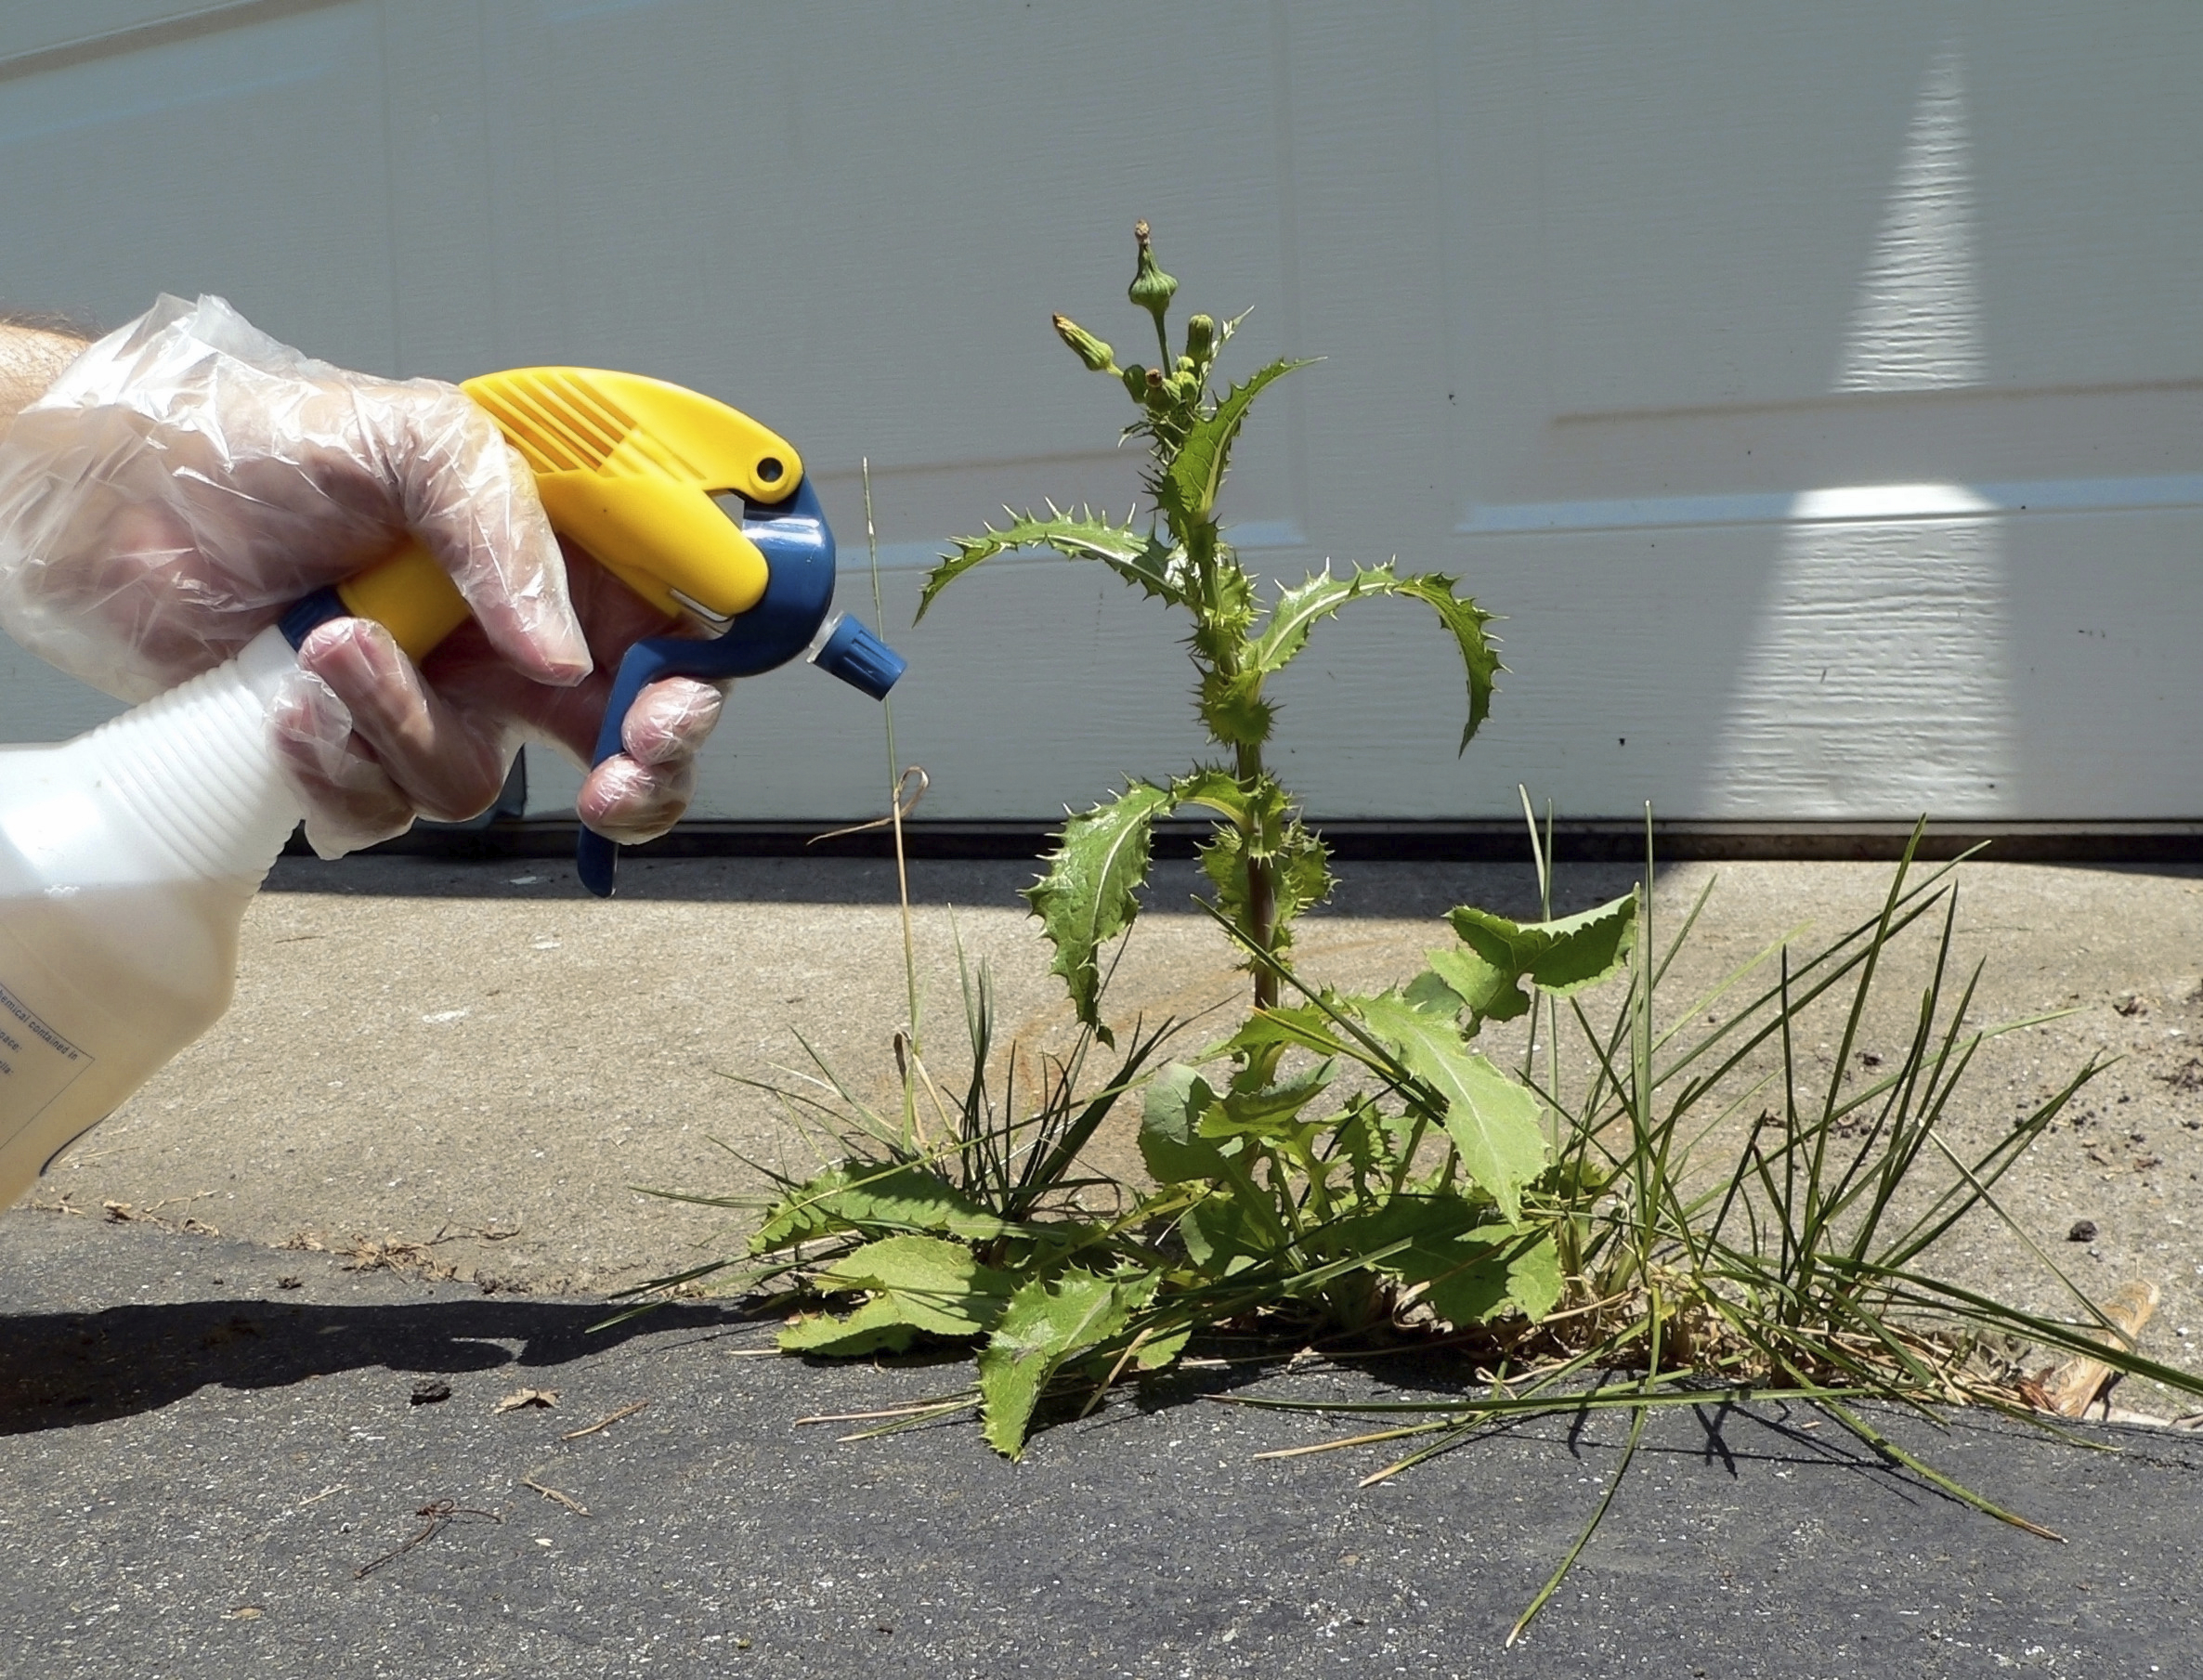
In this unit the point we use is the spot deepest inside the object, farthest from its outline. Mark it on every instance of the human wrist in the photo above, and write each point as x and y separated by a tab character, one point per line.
31	357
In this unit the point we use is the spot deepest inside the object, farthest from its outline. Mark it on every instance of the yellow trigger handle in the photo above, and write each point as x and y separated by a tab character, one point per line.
628	468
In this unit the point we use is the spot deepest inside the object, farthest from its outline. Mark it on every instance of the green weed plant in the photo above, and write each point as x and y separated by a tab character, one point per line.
1343	1168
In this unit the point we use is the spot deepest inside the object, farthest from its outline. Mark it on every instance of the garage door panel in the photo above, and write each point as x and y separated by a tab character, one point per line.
244	162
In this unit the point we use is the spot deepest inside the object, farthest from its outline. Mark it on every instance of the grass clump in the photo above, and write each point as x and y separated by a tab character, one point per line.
1655	1202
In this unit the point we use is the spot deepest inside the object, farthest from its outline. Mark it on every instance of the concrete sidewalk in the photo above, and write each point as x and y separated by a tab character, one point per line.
429	1052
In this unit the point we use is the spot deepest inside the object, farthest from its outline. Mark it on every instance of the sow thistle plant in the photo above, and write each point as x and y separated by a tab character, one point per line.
1694	1214
1264	864
1274	1199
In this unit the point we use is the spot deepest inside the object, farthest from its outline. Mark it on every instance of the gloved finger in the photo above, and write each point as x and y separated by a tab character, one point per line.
631	803
465	668
472	500
446	761
670	720
349	801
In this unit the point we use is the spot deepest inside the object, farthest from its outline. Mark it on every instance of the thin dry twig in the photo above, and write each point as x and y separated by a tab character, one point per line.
905	802
568	1500
441	1514
859	1417
608	1419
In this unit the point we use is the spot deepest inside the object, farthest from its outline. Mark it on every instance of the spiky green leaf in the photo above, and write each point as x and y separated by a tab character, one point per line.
1493	1121
1521	1274
1298	611
942	1285
1169	1143
1564	955
1466	620
869	1197
1220	1238
1133	554
1187	488
1220	791
1046	1323
1085	899
1488	993
917	1285
1300	1026
878	1326
1232	709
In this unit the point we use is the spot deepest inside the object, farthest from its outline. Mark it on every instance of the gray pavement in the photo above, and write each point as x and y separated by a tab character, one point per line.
465	1067
200	1458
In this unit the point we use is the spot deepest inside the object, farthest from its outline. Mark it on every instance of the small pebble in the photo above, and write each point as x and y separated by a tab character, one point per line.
428	1393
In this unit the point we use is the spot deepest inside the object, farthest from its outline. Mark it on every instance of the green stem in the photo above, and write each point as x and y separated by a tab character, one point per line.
1261	888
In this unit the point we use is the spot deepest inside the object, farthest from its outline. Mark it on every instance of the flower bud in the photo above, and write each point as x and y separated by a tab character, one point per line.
1201	337
1098	357
1151	288
1135	379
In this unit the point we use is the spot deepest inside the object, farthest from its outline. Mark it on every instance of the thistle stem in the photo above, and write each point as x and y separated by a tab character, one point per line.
1261	889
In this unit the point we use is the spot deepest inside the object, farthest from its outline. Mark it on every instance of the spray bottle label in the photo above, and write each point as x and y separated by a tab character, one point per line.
36	1066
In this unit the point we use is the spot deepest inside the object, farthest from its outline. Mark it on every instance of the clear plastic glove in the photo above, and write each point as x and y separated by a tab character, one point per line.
188	477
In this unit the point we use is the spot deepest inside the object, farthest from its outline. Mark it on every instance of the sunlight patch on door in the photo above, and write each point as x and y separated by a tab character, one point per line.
1878	683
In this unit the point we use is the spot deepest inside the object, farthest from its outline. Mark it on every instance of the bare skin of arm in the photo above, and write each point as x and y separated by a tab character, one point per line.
31	357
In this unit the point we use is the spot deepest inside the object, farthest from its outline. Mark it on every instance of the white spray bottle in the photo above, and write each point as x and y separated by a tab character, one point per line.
128	855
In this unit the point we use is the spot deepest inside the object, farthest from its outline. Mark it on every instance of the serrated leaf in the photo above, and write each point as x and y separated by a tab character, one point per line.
1232	709
1432	1226
1159	1350
1085	899
1215	1235
917	1285
1564	955
1169	1143
1485	1282
876	1327
1301	875
1258	1108
1493	1121
1473	1266
868	1197
934	1286
1218	790
1045	1324
1222	857
1487	992
1136	556
1301	1026
1187	490
1220	626
1466	620
1298	610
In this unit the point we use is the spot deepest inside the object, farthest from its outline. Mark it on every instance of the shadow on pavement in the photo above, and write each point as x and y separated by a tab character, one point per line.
1398	890
61	1370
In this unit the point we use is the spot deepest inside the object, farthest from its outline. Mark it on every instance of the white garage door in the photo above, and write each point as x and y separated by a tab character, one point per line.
1817	390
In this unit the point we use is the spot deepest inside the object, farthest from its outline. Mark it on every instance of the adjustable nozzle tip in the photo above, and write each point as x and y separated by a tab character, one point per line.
861	659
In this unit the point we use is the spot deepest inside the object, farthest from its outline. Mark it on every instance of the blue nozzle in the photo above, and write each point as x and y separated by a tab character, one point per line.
858	658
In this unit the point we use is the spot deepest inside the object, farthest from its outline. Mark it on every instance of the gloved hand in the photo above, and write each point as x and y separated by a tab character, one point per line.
188	477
